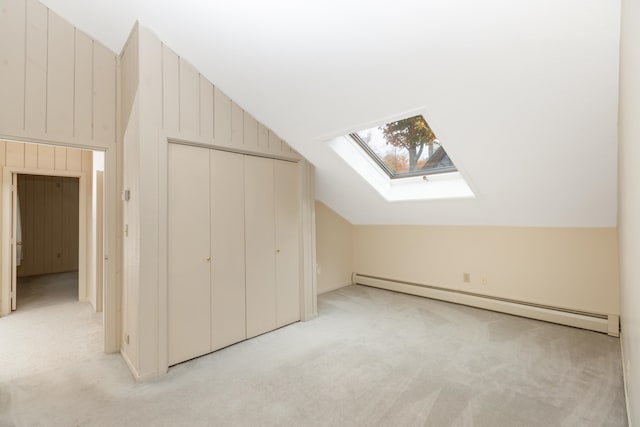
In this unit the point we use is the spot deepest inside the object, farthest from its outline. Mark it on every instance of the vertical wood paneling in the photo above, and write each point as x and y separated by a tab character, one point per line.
189	99
87	160
263	137
30	156
237	125
222	111
74	159
83	92
3	152
170	90
60	77
14	154
206	108
275	143
250	131
46	157
50	224
36	67
104	99
60	158
12	45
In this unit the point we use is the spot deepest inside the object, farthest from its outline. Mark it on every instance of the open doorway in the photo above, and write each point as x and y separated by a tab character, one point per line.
52	221
47	232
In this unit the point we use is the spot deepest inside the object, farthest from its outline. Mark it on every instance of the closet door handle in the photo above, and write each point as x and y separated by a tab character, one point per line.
208	258
277	251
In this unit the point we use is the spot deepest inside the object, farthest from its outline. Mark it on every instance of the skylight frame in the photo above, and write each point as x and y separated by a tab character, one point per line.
389	172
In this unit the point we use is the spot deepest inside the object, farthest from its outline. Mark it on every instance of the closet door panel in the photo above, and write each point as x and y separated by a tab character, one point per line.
287	243
189	277
260	245
228	323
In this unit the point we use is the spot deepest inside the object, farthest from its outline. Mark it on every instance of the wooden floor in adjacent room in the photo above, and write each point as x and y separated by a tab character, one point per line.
371	358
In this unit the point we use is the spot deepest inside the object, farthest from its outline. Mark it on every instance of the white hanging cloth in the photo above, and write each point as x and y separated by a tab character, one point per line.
18	232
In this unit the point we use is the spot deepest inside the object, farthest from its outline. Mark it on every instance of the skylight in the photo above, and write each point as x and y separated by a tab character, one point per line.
404	148
402	160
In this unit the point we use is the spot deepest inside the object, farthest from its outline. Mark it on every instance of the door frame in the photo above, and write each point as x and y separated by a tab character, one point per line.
8	267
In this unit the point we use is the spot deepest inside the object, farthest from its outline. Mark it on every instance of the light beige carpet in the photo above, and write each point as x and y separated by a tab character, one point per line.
371	358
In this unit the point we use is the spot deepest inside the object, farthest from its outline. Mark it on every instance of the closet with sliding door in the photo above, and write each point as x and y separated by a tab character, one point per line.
233	248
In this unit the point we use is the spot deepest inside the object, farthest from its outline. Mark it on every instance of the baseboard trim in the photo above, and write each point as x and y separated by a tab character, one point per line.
608	324
132	368
333	288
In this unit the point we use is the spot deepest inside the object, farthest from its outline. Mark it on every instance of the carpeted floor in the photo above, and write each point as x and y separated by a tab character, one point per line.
371	358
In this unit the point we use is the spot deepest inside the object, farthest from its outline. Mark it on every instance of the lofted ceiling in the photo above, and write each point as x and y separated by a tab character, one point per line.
522	94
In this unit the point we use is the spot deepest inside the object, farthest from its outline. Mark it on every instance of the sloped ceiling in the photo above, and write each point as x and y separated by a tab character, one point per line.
523	94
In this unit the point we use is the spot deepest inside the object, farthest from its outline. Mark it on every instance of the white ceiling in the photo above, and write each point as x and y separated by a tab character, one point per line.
522	94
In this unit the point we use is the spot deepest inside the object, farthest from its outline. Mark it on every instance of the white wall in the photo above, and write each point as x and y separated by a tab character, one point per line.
629	200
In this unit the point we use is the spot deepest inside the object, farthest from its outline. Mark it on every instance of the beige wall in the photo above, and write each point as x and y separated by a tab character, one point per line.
564	267
49	223
629	201
165	97
334	249
59	86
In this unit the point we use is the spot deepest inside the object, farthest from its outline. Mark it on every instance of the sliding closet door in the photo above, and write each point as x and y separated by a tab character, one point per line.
228	324
287	243
260	245
189	279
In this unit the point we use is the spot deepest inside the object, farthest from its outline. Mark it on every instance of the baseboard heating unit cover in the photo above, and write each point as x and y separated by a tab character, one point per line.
605	323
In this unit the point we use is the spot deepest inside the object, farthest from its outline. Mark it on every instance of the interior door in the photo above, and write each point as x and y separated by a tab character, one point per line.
287	242
228	321
260	245
189	253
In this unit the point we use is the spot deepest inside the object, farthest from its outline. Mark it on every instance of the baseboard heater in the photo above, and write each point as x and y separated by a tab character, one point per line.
605	323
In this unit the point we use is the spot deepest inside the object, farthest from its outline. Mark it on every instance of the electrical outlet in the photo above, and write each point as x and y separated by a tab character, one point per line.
466	277
484	280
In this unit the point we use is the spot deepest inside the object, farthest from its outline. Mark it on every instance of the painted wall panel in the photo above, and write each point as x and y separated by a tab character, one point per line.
49	212
12	60
170	91
206	109
83	90
275	143
104	89
60	77
36	67
31	156
222	119
263	138
250	137
14	154
60	158
237	125
46	157
74	159
189	99
574	268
